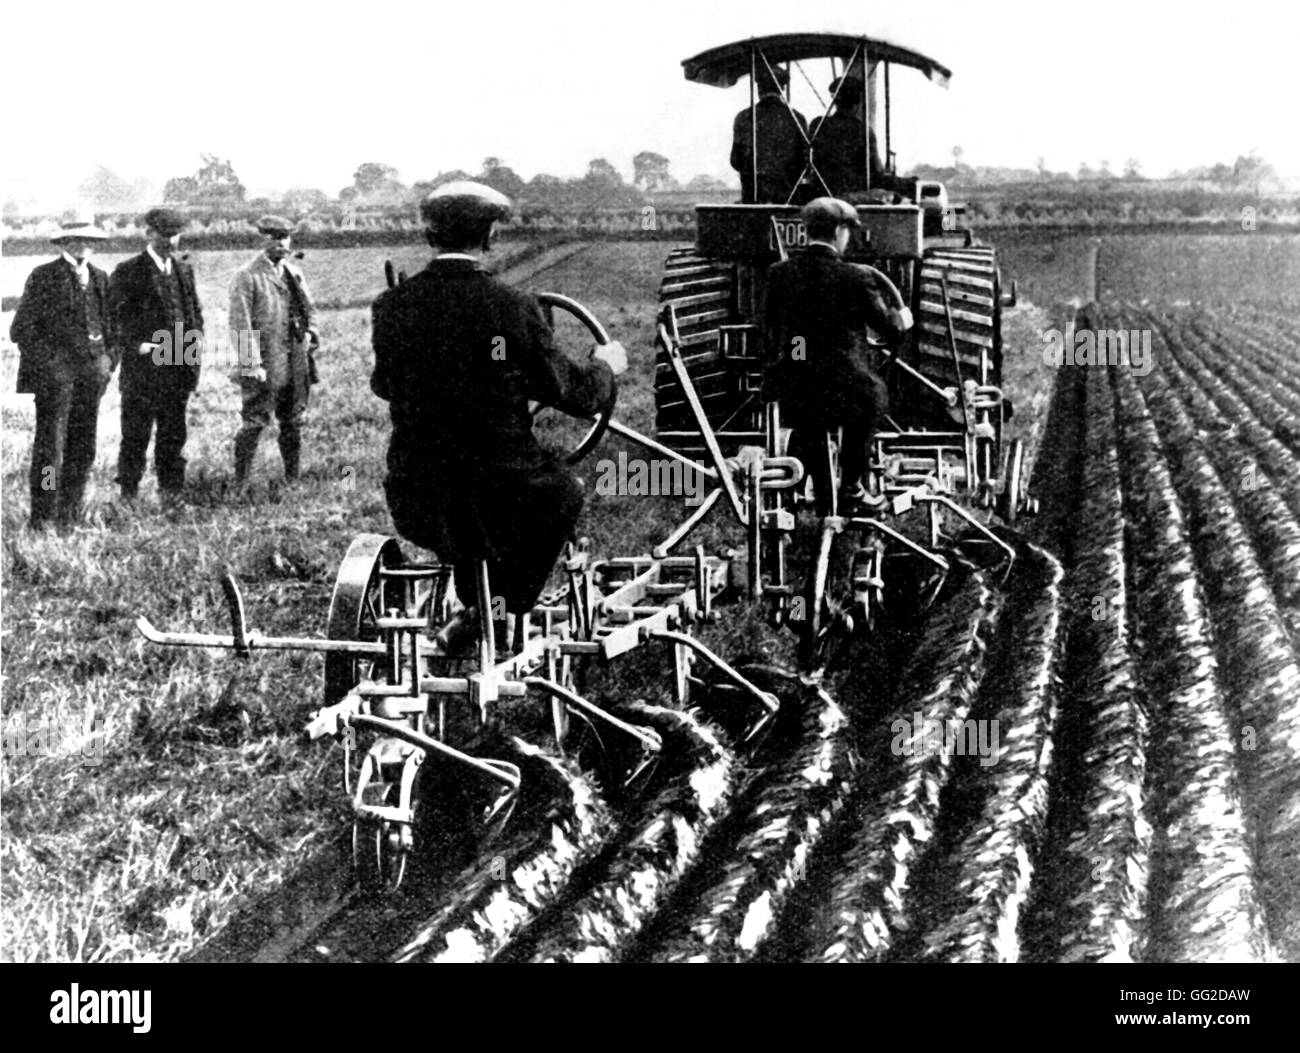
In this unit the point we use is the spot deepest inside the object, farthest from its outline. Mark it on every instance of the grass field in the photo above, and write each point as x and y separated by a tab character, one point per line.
171	786
200	791
1262	269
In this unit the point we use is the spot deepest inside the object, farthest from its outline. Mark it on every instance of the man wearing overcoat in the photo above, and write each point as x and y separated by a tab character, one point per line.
64	332
273	321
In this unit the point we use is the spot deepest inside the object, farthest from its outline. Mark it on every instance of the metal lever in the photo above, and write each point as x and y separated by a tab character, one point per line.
235	605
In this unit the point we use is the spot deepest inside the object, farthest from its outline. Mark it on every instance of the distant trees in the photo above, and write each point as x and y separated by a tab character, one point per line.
107	191
705	182
374	184
301	200
650	173
215	184
501	177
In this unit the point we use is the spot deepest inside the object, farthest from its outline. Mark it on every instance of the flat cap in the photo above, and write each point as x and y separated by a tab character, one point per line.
166	221
275	225
824	211
465	200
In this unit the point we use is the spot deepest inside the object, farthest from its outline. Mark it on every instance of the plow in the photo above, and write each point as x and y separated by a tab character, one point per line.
408	708
399	703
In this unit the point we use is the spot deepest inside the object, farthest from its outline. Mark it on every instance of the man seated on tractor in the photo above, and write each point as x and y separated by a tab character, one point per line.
458	356
837	142
817	361
781	138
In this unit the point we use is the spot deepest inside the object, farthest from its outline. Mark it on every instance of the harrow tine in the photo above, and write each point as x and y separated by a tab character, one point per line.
235	604
645	768
493	818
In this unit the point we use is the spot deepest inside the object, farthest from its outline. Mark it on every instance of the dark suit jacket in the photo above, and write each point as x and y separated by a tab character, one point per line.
837	149
825	303
49	325
781	151
139	303
458	355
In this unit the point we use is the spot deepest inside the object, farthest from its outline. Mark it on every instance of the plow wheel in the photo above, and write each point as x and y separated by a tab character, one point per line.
703	294
383	838
361	596
866	577
1015	498
825	616
373	578
381	851
974	299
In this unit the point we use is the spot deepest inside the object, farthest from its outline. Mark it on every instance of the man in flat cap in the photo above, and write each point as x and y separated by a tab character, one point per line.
64	332
818	362
780	134
273	316
159	325
458	356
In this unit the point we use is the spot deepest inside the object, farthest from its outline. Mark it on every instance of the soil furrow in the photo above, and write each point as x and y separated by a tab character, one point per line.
635	874
895	809
991	865
1202	890
495	898
1261	676
751	869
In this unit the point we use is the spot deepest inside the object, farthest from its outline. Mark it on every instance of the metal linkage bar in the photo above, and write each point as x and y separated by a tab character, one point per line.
502	771
648	737
658	447
940	499
884	528
253	641
769	701
687	525
702	421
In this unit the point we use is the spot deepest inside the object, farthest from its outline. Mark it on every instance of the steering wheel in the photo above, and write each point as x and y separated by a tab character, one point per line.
601	421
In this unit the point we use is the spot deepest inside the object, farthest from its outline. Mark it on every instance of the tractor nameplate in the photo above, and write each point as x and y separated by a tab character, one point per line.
751	232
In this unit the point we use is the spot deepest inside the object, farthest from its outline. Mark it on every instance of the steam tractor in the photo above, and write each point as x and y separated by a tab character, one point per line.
945	384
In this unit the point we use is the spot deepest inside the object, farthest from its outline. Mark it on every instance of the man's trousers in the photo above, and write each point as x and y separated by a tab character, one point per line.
67	418
288	405
142	408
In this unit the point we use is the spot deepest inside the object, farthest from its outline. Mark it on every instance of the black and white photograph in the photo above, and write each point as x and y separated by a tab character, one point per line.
753	482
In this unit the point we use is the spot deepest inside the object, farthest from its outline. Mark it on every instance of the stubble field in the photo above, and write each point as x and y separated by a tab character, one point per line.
1141	662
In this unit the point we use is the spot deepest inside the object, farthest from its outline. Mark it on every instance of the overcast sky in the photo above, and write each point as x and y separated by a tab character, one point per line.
298	94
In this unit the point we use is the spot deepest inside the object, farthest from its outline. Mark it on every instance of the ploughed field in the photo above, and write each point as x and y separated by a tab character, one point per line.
1138	797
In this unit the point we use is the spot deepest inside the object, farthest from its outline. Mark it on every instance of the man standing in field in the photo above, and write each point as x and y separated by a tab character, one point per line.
160	331
458	356
272	316
818	364
64	332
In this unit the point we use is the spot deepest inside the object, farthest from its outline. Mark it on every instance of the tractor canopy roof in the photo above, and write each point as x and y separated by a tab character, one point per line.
724	66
